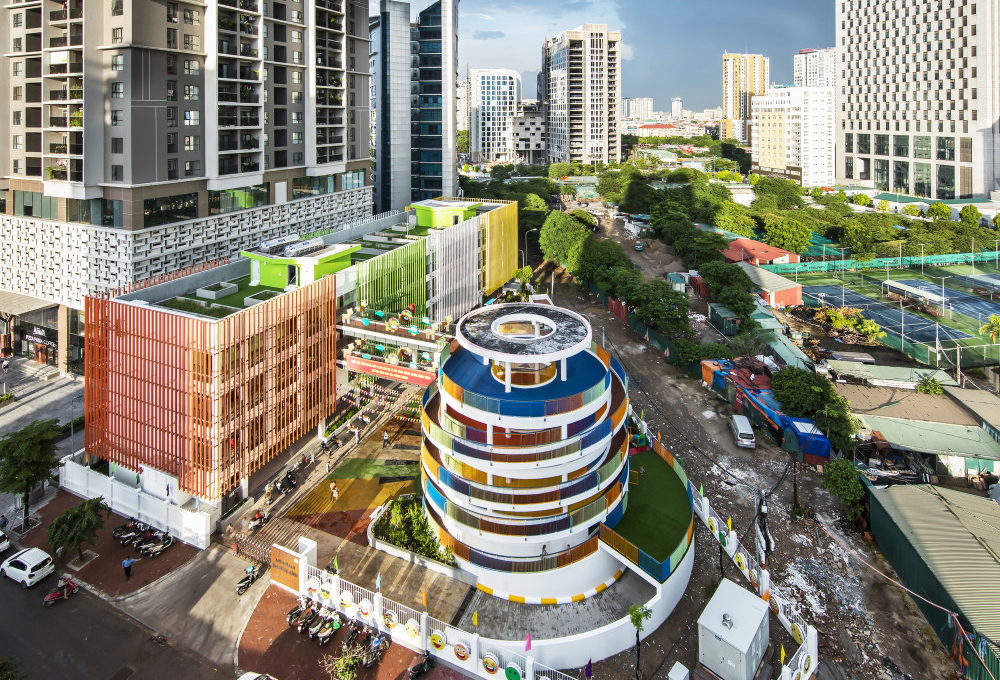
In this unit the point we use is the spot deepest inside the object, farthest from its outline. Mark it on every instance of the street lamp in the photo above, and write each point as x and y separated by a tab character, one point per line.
996	263
922	258
943	310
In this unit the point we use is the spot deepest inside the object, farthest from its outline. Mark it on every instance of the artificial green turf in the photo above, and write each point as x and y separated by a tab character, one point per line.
245	290
363	468
185	305
659	512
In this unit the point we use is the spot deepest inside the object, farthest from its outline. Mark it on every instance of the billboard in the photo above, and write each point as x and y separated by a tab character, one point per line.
381	369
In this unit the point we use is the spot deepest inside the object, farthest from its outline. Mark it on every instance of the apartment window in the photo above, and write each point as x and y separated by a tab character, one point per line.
901	145
117	8
18	19
171	90
921	179
945	182
296	57
946	150
901	177
965	150
297	77
192	168
18	93
118	117
921	149
192	67
192	142
17	142
117	144
118	90
296	138
172	12
17	68
171	65
297	16
296	36
18	167
117	35
296	97
117	173
16	118
882	146
296	117
118	62
16	46
172	38
192	92
171	168
192	117
849	167
298	158
192	42
864	144
881	174
192	17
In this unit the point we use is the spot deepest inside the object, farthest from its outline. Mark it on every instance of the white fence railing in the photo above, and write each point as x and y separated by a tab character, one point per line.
194	528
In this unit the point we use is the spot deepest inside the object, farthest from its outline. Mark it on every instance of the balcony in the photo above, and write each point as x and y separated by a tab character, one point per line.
60	14
227	122
64	149
247	51
248	28
248	5
249	98
249	143
249	121
226	24
58	69
227	144
249	166
225	96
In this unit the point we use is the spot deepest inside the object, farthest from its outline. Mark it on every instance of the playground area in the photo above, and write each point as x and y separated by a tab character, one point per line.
920	306
659	511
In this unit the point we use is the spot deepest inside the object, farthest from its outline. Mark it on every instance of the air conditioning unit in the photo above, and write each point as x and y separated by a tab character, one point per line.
276	245
304	247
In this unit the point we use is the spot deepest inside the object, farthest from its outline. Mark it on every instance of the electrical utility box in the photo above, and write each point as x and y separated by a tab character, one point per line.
733	632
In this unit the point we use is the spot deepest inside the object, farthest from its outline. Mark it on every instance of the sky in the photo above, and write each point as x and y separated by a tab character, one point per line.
671	47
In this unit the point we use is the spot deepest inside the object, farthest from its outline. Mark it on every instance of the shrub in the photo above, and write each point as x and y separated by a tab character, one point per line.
929	385
405	525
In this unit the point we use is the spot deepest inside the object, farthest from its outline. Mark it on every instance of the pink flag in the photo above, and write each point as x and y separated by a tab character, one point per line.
527	642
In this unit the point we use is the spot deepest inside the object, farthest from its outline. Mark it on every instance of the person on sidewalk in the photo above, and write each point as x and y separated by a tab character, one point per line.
127	566
334	491
3	522
385	439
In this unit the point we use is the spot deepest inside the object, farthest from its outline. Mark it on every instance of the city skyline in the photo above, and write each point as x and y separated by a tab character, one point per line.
511	34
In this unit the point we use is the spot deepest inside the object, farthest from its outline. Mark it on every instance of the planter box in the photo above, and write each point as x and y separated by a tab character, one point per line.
257	298
217	291
413	558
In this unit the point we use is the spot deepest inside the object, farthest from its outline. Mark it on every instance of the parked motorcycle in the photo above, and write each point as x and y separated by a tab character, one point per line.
60	593
353	632
281	487
423	665
330	626
133	533
248	579
122	528
156	549
149	540
308	617
259	519
318	622
375	649
290	480
295	612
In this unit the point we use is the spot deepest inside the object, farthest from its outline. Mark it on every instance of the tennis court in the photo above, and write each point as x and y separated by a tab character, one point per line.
889	317
967	304
988	281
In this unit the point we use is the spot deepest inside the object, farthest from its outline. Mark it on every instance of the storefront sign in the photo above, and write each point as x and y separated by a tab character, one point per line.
284	568
385	370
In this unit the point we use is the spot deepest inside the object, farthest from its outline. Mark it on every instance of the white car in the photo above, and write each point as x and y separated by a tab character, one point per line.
28	566
4	542
256	676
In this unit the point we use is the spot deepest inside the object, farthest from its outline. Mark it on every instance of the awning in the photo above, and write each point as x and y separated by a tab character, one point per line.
18	304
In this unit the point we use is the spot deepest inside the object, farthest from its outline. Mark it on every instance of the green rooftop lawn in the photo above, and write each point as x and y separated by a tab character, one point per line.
659	512
245	290
186	305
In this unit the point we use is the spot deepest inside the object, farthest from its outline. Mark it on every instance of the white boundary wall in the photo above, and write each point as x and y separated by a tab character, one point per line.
192	527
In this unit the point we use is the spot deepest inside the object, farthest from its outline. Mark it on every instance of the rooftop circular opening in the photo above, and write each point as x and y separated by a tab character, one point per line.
522	327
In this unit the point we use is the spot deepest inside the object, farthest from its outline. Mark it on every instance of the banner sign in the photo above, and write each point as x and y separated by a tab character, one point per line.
381	369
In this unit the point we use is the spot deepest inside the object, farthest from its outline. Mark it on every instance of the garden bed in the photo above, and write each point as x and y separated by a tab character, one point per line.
341	420
404	525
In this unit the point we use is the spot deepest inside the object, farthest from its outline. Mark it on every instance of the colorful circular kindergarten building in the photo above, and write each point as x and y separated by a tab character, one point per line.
525	452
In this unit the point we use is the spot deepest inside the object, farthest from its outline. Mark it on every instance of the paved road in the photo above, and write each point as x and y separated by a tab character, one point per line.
86	638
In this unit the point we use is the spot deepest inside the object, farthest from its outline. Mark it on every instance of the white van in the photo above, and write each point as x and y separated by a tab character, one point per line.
742	432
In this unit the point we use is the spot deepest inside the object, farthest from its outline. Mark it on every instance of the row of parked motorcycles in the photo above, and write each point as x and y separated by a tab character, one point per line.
146	539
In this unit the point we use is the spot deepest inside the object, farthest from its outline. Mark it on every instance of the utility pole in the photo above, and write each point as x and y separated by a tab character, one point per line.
795	485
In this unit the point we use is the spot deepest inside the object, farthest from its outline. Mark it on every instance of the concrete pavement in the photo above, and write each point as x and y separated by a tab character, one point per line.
36	398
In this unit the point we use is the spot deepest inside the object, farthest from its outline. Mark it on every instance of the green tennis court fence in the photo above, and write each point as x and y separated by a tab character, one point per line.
879	263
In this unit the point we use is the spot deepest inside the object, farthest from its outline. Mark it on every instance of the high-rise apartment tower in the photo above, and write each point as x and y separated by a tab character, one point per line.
743	77
815	68
149	137
916	106
496	96
580	83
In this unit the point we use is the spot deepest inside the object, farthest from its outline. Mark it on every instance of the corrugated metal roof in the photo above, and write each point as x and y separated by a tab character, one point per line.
765	280
958	537
890	402
935	438
896	373
985	405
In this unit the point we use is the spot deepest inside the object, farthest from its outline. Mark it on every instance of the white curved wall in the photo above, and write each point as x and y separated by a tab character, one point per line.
573	579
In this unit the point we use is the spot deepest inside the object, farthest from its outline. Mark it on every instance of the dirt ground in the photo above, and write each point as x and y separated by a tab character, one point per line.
868	628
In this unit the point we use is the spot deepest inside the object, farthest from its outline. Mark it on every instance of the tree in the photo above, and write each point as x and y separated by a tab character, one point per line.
702	248
79	525
664	308
689	351
970	215
789	234
561	240
991	328
623	283
27	458
462	141
882	206
861	199
10	670
801	393
939	211
343	667
929	385
912	211
786	192
585	217
732	217
840	478
638	614
559	170
816	192
599	257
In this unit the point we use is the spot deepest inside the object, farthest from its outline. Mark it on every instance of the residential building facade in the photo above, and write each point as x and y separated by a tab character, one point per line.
416	119
529	133
743	77
915	109
151	137
676	108
463	103
580	86
793	135
496	95
815	68
640	108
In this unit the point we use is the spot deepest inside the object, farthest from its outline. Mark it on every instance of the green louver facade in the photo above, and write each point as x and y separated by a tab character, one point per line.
394	280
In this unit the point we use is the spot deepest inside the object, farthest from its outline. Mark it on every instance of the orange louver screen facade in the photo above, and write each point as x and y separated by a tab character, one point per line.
208	401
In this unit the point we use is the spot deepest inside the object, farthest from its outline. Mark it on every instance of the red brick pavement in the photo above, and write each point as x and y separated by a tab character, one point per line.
105	572
270	646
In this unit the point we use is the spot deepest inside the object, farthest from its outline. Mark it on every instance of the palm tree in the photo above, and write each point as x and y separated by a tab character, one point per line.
638	615
991	327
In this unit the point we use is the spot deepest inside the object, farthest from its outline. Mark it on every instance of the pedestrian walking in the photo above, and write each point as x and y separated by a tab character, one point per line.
356	434
385	439
334	491
327	467
127	566
3	522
